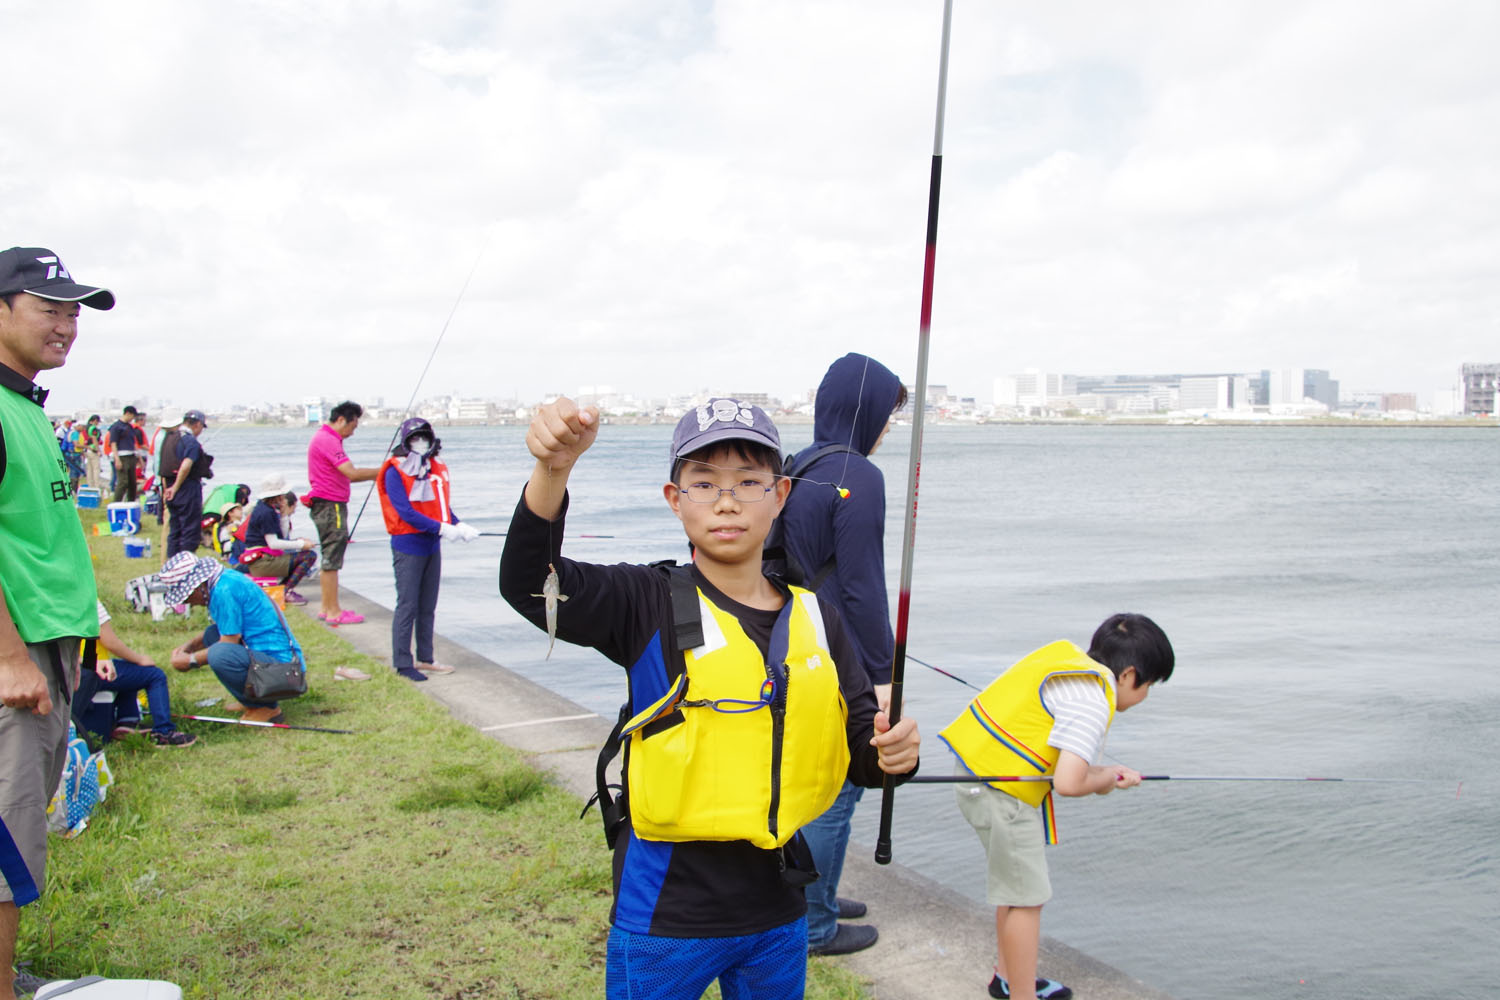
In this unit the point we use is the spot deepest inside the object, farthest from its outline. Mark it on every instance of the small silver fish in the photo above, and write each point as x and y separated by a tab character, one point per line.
552	592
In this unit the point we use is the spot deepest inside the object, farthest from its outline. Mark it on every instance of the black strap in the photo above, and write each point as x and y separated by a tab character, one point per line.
687	619
612	808
794	468
55	648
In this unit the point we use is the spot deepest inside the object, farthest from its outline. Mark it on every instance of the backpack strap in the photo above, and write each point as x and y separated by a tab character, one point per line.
687	617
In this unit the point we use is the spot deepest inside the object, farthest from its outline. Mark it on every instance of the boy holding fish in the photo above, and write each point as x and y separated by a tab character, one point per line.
747	708
1039	726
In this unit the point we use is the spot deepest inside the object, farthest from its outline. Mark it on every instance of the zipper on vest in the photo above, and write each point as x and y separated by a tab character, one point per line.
778	731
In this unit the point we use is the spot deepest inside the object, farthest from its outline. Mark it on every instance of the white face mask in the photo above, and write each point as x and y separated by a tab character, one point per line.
420	444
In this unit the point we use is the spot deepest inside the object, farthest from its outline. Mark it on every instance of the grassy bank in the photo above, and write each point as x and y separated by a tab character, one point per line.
415	858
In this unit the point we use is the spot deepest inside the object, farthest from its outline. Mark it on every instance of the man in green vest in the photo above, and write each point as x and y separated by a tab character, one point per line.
46	578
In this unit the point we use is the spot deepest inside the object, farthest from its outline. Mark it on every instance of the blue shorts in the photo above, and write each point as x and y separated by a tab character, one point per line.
771	965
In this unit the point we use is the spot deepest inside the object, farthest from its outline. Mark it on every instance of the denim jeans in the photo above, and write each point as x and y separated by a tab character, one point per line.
230	662
828	836
132	677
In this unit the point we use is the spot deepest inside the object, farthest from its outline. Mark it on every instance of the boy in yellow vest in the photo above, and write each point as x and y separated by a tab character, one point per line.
747	708
1043	721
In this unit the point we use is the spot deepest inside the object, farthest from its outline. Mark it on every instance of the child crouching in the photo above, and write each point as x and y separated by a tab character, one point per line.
1044	721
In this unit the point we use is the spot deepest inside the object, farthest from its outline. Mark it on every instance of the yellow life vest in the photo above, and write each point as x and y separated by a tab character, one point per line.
1005	728
742	747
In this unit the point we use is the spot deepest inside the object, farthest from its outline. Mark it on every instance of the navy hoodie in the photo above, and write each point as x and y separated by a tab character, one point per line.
854	403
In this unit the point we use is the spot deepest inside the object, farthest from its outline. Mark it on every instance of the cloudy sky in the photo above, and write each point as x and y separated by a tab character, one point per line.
665	195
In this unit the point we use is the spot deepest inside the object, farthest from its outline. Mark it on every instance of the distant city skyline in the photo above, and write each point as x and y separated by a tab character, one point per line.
1293	391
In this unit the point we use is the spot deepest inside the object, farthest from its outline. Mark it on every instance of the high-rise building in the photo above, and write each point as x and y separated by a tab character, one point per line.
1316	384
1480	381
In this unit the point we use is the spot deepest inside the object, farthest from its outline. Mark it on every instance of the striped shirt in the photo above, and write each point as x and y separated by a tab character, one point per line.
1080	714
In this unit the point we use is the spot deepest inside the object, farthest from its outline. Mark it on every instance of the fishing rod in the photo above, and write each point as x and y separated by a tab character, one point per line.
945	673
952	779
502	534
266	725
908	540
414	389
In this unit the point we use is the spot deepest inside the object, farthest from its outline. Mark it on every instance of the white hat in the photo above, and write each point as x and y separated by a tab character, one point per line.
169	418
274	485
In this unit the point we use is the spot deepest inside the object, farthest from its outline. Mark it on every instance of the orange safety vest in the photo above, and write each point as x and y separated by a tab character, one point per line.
437	508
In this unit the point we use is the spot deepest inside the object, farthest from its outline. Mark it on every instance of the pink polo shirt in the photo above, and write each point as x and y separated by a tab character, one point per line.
325	453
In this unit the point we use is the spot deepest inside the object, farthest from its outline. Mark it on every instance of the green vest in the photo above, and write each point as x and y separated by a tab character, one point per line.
45	569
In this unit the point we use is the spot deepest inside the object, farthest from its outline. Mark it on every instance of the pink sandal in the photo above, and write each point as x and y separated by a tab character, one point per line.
344	618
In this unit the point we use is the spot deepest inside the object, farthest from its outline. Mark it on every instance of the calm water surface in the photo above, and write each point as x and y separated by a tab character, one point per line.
1332	597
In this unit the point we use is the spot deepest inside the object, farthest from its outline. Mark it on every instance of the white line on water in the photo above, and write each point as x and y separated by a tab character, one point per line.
539	722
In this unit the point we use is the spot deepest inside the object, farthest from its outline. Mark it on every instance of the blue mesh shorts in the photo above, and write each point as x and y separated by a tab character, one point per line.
771	965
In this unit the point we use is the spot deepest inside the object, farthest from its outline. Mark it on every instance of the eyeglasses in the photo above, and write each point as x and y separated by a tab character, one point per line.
749	491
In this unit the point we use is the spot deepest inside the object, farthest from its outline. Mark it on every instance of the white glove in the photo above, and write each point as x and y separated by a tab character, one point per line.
466	532
449	532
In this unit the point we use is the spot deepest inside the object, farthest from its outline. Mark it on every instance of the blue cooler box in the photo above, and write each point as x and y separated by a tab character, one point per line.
88	496
124	518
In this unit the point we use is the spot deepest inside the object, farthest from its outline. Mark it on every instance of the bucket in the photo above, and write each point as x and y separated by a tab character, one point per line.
274	590
136	547
97	988
88	497
124	518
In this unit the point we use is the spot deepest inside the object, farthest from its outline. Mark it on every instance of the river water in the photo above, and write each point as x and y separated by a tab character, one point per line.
1332	597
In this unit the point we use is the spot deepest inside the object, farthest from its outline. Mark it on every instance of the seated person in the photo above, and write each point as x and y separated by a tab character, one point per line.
246	626
230	518
268	529
125	674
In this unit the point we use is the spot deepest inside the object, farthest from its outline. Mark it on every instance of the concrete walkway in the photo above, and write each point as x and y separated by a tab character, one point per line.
933	941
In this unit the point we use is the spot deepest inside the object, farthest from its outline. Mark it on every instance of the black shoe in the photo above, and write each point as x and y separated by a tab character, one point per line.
412	674
1046	989
176	738
27	984
848	939
850	909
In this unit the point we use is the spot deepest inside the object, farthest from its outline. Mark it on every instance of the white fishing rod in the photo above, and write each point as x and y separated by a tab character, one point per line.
416	388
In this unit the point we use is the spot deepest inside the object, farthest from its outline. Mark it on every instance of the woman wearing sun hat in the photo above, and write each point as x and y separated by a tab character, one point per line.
294	558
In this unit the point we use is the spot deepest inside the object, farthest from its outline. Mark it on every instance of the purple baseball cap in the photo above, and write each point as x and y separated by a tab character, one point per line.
722	419
40	272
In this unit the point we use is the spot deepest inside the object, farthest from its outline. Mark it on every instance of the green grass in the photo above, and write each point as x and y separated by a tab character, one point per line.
414	858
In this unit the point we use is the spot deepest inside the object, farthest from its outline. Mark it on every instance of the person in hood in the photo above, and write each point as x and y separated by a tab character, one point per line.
414	497
833	529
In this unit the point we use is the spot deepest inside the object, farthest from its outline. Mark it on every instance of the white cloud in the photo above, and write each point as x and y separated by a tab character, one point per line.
287	198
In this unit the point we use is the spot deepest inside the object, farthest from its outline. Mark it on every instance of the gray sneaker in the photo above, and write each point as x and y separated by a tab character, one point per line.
27	984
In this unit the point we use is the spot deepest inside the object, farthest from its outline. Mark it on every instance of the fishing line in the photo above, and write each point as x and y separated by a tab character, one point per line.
414	390
960	779
924	336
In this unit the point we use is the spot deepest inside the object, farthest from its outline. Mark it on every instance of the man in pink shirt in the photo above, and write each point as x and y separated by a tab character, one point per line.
330	472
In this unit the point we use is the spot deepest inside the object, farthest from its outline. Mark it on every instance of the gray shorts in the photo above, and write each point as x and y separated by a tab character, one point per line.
331	517
33	749
1014	845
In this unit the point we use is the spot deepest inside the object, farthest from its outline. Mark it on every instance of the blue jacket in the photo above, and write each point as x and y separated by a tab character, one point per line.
853	404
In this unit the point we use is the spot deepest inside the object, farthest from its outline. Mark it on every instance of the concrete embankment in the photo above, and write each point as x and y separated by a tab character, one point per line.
933	941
